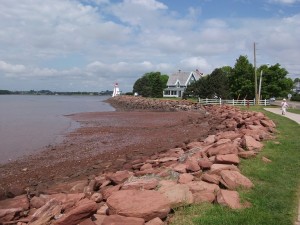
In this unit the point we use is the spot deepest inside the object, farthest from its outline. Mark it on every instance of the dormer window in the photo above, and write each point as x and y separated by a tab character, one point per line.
177	84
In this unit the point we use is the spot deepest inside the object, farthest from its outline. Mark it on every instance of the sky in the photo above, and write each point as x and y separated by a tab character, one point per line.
89	45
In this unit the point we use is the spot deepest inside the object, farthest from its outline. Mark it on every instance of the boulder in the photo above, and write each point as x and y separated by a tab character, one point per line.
192	164
122	220
178	194
234	179
119	176
227	159
20	201
146	204
185	178
45	214
251	144
229	198
142	183
83	209
211	178
155	221
223	149
204	196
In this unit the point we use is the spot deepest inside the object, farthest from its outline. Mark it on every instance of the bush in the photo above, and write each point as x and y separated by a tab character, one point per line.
296	98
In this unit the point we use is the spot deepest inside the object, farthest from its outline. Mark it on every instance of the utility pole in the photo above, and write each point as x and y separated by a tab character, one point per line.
255	76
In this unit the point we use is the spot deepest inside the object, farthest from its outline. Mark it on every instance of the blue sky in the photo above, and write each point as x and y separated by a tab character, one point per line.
88	45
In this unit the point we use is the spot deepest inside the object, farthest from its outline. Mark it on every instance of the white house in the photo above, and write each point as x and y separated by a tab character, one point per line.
178	82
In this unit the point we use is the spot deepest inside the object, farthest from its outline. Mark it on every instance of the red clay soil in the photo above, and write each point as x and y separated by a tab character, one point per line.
106	141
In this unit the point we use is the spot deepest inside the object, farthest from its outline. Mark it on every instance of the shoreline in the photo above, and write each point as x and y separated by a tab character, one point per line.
76	156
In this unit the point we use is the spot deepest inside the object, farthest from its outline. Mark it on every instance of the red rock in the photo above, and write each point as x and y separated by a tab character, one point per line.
211	178
145	204
44	214
192	164
97	197
155	221
247	154
199	186
122	220
251	144
217	168
178	194
84	209
99	219
229	198
204	196
120	176
20	201
146	166
228	159
87	222
205	163
268	123
210	139
79	186
228	135
194	144
7	215
181	168
144	184
223	149
103	210
234	179
266	160
108	190
185	178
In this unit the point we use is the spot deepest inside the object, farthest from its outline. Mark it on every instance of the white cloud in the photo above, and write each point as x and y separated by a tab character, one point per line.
101	42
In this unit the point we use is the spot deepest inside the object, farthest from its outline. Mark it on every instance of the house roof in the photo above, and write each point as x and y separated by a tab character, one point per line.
183	77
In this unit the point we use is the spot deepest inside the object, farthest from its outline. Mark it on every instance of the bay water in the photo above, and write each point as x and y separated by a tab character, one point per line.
30	122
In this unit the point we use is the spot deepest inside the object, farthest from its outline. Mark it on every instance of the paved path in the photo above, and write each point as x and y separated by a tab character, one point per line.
295	117
292	116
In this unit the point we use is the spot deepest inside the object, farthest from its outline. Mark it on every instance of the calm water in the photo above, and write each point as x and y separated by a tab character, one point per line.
28	123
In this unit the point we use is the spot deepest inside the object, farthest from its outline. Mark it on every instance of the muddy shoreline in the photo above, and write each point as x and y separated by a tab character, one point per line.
106	141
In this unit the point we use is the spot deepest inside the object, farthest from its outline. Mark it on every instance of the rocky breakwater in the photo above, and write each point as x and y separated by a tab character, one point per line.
146	190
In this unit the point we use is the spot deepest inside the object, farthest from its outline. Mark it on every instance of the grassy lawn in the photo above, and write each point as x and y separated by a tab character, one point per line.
276	194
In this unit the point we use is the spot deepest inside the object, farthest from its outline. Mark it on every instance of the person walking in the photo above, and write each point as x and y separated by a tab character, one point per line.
284	106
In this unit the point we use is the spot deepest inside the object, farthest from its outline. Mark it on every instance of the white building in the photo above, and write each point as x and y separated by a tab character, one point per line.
178	82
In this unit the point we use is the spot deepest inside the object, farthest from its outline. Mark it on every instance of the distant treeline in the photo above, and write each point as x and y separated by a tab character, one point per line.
47	92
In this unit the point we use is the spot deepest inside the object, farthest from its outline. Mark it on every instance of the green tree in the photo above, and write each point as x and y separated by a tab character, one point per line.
151	85
274	81
241	79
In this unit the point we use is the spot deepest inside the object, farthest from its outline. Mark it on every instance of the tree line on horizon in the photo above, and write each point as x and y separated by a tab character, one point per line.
226	82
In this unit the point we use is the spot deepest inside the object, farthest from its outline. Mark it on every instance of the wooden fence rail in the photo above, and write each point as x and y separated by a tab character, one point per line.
243	102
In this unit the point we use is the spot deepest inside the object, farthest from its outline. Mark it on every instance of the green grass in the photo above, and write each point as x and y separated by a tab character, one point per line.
276	193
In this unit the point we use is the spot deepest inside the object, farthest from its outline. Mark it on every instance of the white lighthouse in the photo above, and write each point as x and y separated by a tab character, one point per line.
116	91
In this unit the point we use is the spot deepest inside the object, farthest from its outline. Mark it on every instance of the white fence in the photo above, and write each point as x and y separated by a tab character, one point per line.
243	102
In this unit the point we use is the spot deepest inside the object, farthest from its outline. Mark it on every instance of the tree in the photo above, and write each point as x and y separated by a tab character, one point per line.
241	79
274	81
215	84
151	85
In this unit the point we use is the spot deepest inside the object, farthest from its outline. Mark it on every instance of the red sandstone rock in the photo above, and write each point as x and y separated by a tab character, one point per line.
45	214
20	201
247	154
228	159
205	164
108	190
119	176
234	179
178	194
143	184
97	197
228	135
155	221
87	221
81	211
204	196
146	166
223	149
122	220
229	198
251	144
145	204
199	186
211	178
192	164
7	215
217	168
185	178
